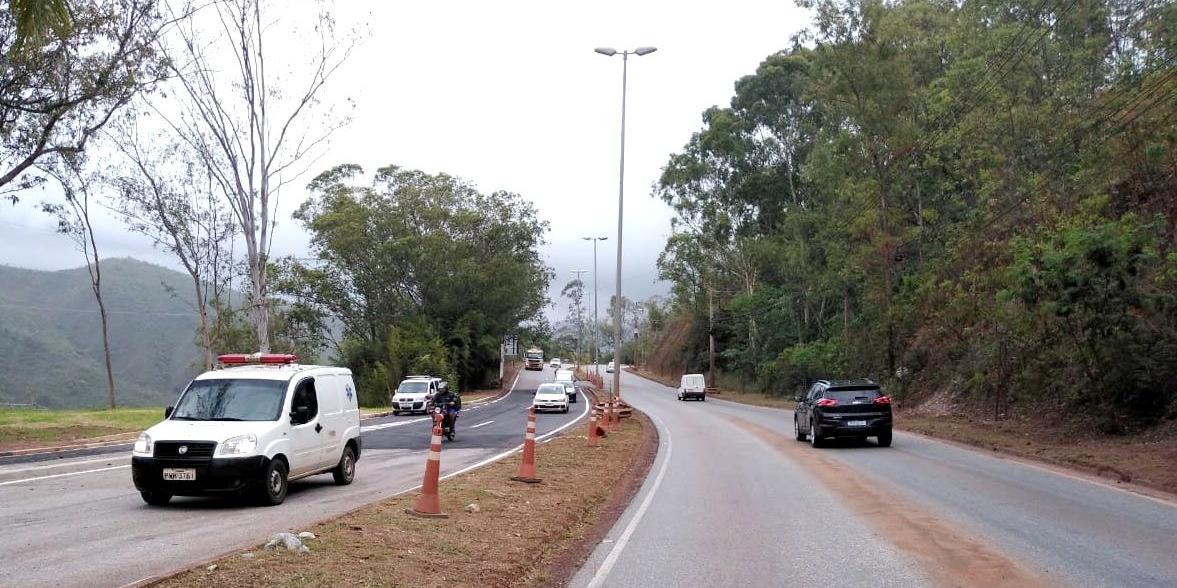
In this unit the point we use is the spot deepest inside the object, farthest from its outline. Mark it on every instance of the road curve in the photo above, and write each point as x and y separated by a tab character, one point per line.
80	522
733	499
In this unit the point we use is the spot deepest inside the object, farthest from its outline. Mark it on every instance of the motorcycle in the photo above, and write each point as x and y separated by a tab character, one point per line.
449	420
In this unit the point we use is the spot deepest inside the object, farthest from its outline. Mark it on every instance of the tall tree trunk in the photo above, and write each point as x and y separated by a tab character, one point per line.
95	270
106	349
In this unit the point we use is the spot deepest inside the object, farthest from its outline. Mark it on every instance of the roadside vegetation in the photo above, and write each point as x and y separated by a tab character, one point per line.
970	203
522	534
24	427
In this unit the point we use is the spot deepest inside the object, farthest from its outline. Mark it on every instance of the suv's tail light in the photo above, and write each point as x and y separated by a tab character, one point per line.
883	400
827	402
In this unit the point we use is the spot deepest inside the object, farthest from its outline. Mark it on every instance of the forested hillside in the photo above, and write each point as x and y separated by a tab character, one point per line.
975	200
51	347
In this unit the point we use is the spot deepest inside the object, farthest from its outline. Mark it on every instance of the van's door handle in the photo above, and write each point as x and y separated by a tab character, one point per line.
318	427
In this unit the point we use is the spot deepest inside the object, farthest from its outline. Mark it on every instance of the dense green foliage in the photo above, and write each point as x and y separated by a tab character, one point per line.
971	199
424	272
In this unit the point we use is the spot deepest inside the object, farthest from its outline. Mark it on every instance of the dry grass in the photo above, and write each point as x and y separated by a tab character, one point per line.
518	532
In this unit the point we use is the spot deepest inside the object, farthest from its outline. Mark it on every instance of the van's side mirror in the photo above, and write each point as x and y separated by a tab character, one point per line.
167	412
300	415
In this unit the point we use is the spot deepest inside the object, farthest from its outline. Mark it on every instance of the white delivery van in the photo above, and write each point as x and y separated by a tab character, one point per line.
567	378
692	386
251	427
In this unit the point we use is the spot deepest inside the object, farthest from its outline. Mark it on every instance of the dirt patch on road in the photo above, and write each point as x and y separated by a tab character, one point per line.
522	535
1145	459
951	556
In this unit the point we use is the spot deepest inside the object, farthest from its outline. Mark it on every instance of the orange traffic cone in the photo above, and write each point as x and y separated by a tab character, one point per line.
616	414
527	466
429	503
593	440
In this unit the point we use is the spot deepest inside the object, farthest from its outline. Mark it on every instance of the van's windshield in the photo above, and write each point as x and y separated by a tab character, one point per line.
413	386
231	400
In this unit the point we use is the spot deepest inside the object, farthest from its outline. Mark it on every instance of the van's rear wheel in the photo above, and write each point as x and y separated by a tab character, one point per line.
155	497
274	484
345	471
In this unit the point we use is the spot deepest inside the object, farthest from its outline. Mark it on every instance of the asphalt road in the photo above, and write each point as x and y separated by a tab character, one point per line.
732	499
80	522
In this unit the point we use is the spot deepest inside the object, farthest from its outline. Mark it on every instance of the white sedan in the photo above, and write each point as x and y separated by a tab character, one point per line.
550	397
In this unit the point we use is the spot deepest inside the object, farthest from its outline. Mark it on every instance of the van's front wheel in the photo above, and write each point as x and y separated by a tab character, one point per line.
274	484
345	472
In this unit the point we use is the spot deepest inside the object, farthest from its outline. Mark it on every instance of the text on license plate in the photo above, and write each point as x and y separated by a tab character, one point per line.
179	474
856	423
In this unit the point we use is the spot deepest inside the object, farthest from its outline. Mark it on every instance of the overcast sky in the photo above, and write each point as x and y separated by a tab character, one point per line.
511	96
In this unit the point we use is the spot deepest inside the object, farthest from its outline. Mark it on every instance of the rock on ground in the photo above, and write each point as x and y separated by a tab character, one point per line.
287	540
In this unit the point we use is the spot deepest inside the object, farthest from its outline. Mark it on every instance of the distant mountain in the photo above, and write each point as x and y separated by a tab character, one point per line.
51	339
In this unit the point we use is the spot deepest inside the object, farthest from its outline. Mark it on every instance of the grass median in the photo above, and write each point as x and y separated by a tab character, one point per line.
522	534
25	427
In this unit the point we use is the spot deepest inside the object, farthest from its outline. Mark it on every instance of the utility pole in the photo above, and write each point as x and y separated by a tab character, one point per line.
711	333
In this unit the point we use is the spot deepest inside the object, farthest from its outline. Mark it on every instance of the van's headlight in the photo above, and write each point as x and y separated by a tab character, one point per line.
143	445
239	445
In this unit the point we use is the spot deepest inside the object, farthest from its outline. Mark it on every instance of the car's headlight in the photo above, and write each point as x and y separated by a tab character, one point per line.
143	445
239	445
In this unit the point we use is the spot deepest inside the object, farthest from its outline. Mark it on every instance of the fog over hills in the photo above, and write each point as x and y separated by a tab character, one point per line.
51	341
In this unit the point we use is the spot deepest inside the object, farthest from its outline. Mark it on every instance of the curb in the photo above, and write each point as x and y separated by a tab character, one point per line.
93	443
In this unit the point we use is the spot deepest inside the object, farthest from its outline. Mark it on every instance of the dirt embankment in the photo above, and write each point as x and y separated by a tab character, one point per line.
521	535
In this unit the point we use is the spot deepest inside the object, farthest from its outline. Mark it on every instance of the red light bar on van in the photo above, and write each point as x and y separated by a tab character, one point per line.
262	358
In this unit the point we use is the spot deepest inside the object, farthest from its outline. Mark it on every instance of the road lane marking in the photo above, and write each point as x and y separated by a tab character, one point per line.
619	546
481	424
393	424
64	475
58	465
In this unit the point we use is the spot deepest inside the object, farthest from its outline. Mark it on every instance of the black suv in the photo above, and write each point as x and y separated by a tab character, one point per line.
855	409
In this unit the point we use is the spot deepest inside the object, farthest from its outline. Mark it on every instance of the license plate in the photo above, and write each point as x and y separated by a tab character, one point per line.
856	423
179	474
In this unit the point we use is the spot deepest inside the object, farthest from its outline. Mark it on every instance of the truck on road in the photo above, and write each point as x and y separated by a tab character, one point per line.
534	359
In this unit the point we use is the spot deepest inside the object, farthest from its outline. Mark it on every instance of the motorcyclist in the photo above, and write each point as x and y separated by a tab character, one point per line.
450	404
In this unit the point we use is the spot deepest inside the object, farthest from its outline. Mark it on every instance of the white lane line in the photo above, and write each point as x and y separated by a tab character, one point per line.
393	424
481	424
619	546
61	465
64	475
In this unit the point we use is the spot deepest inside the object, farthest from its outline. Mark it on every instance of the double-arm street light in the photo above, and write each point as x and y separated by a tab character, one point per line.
579	317
596	319
610	52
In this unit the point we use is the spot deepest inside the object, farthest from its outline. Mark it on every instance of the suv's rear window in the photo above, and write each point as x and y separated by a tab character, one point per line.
852	395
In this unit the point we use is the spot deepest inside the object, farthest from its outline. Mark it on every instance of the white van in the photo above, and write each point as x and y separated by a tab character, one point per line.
692	386
252	427
415	394
567	378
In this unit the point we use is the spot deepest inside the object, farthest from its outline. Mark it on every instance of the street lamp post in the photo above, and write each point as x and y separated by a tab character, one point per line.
579	319
610	52
596	319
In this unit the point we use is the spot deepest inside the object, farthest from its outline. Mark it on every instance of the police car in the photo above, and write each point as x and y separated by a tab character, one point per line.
254	425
